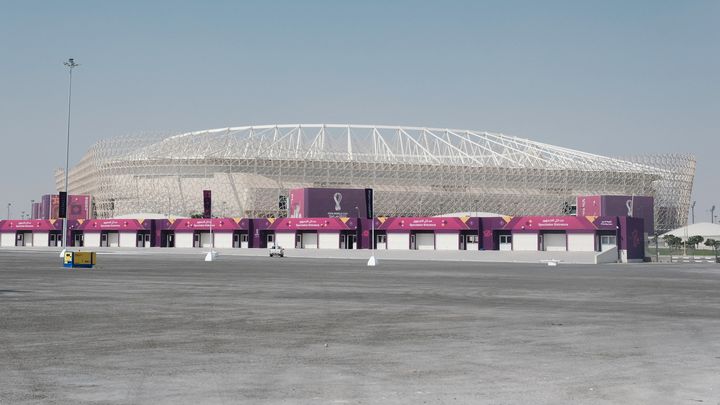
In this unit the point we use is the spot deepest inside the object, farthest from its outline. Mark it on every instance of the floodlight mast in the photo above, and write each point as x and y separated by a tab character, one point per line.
70	65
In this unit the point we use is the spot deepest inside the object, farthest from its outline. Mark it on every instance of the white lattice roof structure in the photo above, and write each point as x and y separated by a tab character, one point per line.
414	171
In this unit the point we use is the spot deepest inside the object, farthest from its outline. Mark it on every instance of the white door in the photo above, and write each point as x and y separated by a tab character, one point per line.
381	242
310	240
205	240
506	242
284	239
128	239
426	241
607	242
525	241
184	239
397	241
329	240
92	239
223	239
244	244
555	242
581	242
447	241
472	242
114	239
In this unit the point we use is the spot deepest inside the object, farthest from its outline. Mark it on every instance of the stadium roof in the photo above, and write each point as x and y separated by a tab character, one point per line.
378	144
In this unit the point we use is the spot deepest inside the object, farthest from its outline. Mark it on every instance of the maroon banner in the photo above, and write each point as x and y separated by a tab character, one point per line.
36	225
310	224
99	225
438	224
78	207
207	203
560	223
203	224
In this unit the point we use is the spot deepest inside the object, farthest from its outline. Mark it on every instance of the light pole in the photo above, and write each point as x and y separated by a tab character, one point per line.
70	65
8	214
693	211
372	261
712	215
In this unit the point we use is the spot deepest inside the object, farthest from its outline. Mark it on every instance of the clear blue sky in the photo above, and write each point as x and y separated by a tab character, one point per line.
607	77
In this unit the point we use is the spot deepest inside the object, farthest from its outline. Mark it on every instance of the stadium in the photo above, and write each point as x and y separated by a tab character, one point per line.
415	171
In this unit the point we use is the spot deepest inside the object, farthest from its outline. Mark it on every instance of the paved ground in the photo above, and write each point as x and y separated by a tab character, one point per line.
165	330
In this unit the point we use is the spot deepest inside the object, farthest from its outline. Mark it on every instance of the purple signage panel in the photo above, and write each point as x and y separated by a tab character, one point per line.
207	203
296	205
45	207
589	206
120	225
35	225
632	237
78	207
436	224
629	206
327	203
307	224
560	223
54	206
619	206
203	224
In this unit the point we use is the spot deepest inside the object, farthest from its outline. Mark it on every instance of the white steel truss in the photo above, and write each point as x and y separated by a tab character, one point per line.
414	170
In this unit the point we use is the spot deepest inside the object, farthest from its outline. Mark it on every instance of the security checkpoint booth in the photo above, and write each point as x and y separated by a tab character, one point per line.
554	233
34	232
306	233
196	232
111	233
424	233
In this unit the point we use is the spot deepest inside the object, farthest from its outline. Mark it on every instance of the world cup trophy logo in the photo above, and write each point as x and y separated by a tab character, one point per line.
629	206
337	197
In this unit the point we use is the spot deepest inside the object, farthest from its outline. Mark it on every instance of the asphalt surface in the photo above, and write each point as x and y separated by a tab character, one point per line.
157	329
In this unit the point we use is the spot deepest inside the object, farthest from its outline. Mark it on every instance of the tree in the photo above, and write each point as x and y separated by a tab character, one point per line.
672	241
715	244
695	240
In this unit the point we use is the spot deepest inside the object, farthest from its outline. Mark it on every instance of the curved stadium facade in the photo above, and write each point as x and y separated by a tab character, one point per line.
414	172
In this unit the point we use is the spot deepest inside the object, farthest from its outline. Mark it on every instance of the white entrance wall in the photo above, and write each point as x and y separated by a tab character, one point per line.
581	242
184	239
555	242
223	239
449	241
7	239
310	240
285	239
425	241
329	240
41	239
525	241
128	239
91	239
398	241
